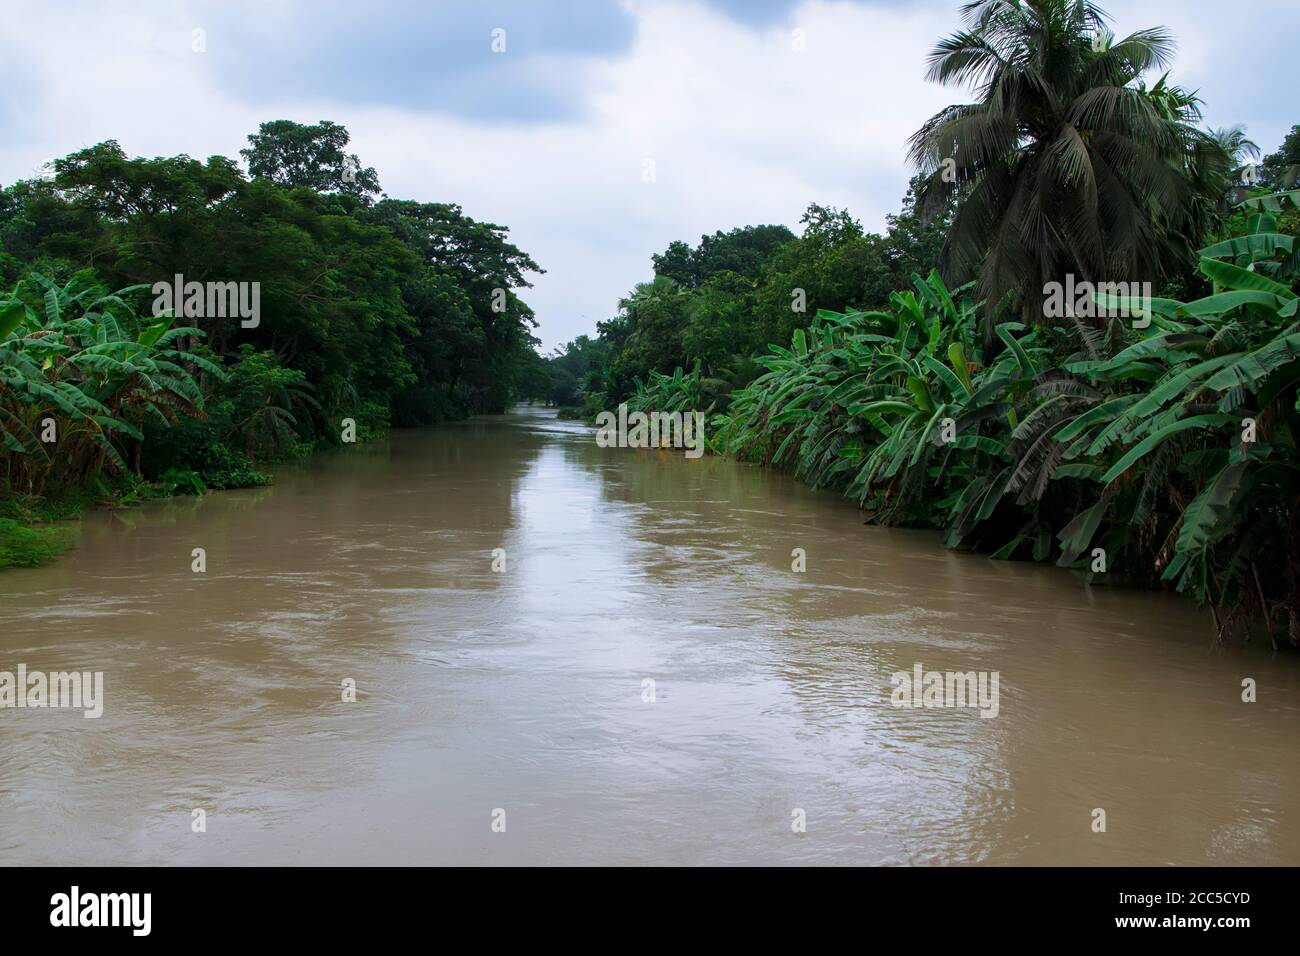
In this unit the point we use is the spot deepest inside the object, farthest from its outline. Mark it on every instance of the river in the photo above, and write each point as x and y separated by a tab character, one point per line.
646	680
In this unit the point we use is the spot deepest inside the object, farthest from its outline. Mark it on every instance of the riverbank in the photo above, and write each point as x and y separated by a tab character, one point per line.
36	530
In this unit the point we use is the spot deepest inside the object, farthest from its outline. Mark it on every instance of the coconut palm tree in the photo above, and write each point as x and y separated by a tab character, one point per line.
1065	162
1243	157
1236	145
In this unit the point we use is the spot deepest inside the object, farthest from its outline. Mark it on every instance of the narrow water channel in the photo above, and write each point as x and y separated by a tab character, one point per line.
524	696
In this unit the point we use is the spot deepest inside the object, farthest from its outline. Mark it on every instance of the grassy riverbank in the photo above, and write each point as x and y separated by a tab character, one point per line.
36	530
29	541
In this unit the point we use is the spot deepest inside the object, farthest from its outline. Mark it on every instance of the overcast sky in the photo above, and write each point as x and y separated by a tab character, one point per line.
745	120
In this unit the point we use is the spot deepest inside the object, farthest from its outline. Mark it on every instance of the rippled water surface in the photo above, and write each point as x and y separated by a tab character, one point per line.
523	691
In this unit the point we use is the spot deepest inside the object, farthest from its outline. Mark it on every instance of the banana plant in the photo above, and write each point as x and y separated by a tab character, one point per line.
1186	436
82	360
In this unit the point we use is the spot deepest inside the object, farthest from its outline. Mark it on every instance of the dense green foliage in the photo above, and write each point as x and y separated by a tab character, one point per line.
381	311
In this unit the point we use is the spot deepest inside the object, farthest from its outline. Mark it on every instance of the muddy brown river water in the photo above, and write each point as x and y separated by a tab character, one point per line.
523	698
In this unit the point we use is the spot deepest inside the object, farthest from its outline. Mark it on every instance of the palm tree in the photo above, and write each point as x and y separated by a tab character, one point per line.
1236	145
1066	162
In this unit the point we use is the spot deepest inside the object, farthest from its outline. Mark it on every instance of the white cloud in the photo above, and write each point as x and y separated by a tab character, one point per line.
741	129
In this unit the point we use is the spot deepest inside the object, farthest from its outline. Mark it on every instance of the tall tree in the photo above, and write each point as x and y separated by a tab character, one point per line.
293	154
743	251
474	327
1065	163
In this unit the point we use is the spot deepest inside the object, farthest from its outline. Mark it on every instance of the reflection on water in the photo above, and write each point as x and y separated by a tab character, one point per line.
524	691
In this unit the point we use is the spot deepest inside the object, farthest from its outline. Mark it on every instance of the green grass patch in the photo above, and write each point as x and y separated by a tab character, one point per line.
27	546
